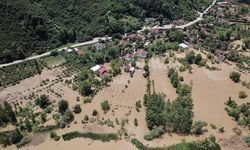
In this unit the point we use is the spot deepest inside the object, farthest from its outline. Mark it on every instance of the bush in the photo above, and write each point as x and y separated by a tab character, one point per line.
136	122
235	76
43	129
198	127
85	88
54	136
68	116
156	132
94	113
63	106
105	106
105	137
42	101
242	95
87	100
23	142
77	109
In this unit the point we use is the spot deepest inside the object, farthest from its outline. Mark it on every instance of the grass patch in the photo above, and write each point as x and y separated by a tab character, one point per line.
54	60
42	129
104	137
207	144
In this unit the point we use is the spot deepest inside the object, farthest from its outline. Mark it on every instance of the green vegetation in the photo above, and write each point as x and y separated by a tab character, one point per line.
10	137
54	60
42	129
22	71
240	113
7	115
37	26
77	109
242	95
235	76
198	126
104	137
156	132
207	144
42	101
105	106
63	106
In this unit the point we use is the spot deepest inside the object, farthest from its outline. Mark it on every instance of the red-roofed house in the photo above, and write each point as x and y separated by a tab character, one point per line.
102	70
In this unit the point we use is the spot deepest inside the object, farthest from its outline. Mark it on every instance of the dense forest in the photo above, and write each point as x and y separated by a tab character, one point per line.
33	26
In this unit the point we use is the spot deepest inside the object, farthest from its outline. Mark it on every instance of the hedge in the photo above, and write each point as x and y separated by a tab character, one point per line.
105	137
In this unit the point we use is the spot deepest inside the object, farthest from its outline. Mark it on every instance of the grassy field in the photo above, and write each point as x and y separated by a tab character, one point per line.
54	60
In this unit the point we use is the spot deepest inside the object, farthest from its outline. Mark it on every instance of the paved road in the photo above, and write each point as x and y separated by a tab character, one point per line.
95	40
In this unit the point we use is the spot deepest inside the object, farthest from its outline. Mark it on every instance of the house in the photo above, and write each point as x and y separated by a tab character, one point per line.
100	69
95	68
128	57
183	45
141	53
99	46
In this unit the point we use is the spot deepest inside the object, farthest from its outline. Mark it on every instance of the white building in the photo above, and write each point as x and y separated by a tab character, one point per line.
95	68
183	45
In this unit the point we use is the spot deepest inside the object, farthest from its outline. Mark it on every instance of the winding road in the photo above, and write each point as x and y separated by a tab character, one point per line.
95	40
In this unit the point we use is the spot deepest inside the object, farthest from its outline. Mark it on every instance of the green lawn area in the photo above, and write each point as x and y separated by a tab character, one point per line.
54	60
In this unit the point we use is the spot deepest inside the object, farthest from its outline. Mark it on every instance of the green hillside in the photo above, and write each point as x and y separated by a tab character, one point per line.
34	26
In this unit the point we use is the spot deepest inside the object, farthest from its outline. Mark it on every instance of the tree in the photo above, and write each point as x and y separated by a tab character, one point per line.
94	113
135	122
68	116
247	42
63	106
242	94
7	114
235	76
190	57
85	88
42	101
198	127
77	109
197	59
105	106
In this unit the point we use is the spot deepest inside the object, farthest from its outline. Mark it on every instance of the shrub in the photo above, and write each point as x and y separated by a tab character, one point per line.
23	142
63	106
87	100
242	95
86	118
198	127
85	88
105	106
42	129
77	109
156	132
42	101
105	137
235	76
68	116
94	113
136	122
